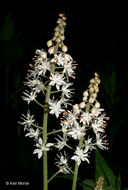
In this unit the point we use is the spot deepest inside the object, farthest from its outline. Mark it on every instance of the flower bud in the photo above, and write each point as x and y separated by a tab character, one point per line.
98	81
64	48
85	93
56	34
76	107
51	50
92	81
96	88
96	74
94	95
62	31
82	105
62	38
58	40
84	98
93	110
97	105
49	43
91	100
91	90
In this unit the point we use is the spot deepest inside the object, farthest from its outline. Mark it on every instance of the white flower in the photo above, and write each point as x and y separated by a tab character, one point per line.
88	144
41	54
57	79
43	67
34	83
96	111
55	108
97	127
62	163
41	147
61	142
85	118
80	155
32	133
100	142
70	118
29	96
58	59
67	92
27	120
77	132
68	68
65	101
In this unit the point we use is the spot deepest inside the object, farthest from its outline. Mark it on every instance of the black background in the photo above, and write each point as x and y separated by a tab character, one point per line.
97	38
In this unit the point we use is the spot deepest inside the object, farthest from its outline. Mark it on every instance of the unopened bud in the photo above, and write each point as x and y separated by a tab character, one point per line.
97	105
91	100
49	43
92	81
93	110
98	81
62	31
58	40
76	107
51	50
91	90
94	95
56	34
84	98
62	38
85	93
64	48
96	74
82	105
96	88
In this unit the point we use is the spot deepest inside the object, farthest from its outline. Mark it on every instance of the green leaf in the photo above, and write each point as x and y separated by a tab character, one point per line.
88	184
102	169
111	182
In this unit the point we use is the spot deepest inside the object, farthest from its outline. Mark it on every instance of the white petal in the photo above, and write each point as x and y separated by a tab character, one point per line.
39	154
36	151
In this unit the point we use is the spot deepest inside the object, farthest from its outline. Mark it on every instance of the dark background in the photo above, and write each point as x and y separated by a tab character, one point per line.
97	38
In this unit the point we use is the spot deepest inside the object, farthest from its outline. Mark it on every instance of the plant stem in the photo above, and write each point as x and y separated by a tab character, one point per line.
53	132
45	121
76	168
39	103
76	165
54	176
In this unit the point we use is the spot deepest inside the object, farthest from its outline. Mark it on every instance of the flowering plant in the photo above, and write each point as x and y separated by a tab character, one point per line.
51	75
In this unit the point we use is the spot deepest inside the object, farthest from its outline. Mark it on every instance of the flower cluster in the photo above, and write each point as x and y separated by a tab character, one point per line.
85	124
49	75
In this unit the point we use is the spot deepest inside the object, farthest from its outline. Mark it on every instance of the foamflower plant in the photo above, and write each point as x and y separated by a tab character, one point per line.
82	126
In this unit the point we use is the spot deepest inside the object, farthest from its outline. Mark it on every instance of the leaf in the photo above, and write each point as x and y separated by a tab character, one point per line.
88	184
102	169
111	182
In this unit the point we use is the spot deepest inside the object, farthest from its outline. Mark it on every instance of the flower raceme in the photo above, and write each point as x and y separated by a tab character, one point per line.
85	119
50	73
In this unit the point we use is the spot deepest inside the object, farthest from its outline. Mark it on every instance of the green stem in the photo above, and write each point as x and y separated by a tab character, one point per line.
38	127
53	92
39	103
45	122
54	176
76	165
53	132
76	168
